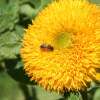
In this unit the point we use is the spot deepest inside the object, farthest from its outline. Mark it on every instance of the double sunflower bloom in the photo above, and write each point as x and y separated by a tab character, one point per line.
61	49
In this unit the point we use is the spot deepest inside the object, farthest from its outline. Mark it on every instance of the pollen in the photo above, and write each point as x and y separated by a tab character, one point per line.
61	49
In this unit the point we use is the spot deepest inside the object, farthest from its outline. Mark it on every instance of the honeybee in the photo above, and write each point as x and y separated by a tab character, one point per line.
45	47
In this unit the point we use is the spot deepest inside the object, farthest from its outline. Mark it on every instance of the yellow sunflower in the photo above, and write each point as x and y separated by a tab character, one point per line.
61	49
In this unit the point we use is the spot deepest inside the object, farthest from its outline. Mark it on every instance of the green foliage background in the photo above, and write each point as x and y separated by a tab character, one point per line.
15	15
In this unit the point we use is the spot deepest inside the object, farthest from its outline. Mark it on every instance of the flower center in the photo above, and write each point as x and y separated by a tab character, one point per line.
63	40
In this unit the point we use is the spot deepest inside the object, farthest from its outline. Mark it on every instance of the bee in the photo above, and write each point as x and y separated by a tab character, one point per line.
47	48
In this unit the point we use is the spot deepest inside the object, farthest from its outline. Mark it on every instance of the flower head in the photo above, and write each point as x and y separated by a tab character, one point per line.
61	49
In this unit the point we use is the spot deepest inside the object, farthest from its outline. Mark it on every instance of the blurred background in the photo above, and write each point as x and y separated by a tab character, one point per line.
15	15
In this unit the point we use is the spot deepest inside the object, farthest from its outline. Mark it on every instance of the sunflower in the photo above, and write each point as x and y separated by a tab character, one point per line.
61	49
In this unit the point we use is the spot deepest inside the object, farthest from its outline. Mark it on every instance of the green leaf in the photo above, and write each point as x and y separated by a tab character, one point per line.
9	89
19	1
42	94
95	1
27	10
8	16
32	10
45	3
3	2
73	97
10	43
19	30
36	3
14	68
97	95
